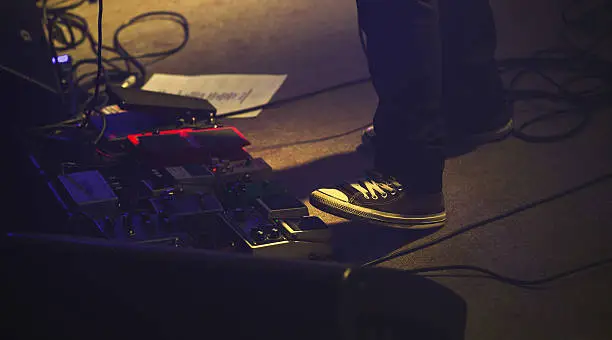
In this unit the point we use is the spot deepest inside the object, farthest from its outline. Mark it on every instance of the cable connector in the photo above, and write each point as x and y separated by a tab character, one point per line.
129	81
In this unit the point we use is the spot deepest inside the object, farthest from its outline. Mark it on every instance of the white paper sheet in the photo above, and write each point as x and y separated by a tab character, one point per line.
227	92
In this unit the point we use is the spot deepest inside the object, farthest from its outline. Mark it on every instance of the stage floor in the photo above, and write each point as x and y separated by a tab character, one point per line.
316	44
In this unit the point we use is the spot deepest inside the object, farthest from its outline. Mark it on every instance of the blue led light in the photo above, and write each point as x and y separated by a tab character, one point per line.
62	59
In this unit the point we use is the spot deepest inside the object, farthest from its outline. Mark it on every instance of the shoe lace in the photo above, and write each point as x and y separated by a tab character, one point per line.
371	188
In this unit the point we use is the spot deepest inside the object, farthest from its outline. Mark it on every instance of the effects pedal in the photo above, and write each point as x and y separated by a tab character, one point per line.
174	208
256	229
168	149
221	140
281	206
308	229
159	182
163	145
268	238
89	193
199	218
255	169
192	178
132	227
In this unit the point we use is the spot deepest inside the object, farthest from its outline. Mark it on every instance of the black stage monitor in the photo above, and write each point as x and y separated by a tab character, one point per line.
63	288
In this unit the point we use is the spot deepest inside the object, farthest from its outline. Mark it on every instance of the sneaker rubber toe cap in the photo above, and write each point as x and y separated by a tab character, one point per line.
331	193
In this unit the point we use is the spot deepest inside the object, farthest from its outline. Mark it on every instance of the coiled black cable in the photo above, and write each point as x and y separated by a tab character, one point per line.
565	69
132	64
68	30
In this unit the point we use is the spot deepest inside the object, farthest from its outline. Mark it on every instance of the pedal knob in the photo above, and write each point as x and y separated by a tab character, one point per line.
274	233
258	235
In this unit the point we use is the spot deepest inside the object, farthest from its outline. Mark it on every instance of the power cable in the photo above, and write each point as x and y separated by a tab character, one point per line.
132	65
529	284
564	69
100	69
69	30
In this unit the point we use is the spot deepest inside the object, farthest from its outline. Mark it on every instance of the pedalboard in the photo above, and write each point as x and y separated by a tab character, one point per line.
195	189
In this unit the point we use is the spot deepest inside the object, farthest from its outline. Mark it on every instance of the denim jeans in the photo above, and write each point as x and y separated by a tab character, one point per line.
433	68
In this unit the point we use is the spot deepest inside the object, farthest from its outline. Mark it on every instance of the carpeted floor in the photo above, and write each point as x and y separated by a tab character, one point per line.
315	43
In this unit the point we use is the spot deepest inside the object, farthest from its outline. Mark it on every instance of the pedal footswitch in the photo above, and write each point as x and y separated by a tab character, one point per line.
192	177
281	206
159	182
307	229
229	171
90	193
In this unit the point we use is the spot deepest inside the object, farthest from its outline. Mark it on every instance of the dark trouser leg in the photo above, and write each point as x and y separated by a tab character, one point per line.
473	95
404	58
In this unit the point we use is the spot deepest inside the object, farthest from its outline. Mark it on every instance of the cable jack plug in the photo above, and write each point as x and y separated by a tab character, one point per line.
129	81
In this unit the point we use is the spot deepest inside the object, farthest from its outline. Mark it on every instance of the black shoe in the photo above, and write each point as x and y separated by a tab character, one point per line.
477	138
367	137
381	200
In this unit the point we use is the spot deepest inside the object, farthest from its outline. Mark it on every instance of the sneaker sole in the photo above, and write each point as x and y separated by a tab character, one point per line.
476	139
491	136
346	210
